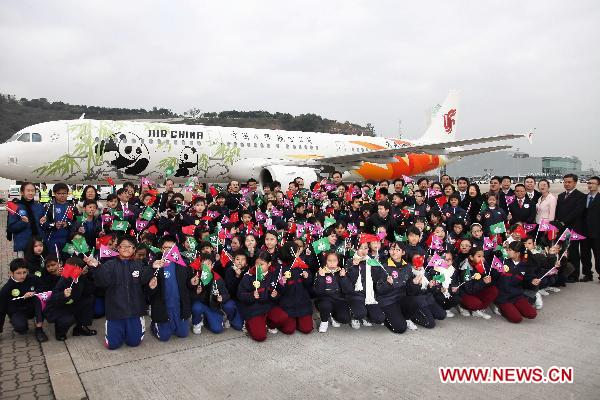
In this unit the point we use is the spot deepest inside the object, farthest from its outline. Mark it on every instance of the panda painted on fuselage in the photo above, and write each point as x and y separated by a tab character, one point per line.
132	156
188	162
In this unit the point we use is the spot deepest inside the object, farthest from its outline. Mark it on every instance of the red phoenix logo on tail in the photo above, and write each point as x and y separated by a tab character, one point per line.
449	120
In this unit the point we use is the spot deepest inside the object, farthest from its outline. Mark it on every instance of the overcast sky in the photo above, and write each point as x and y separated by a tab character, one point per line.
517	64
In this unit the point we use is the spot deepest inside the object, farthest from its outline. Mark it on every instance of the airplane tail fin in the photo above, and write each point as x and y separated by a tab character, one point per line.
444	120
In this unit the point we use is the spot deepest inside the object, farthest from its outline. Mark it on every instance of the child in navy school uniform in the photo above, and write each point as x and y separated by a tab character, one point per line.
235	272
18	300
125	303
51	274
169	295
511	300
91	226
477	290
257	294
72	303
27	220
34	255
210	300
492	215
295	281
60	215
331	284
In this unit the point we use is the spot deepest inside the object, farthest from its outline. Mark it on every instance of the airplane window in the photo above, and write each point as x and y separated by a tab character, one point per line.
96	139
277	145
198	143
132	140
268	145
241	144
294	147
175	142
247	144
124	140
150	141
287	146
14	137
36	137
157	141
255	144
305	147
262	145
25	137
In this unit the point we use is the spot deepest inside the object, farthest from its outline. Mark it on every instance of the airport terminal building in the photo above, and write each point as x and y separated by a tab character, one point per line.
514	164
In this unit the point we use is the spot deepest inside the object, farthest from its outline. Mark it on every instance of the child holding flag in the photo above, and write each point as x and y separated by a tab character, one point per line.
59	217
330	286
476	288
25	218
72	301
257	294
89	225
18	300
125	302
169	295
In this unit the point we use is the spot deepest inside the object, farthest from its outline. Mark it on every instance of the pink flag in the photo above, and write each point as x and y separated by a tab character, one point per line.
509	200
212	214
565	235
352	229
276	213
576	236
407	179
545	226
141	224
497	264
44	297
224	220
107	219
436	243
529	227
127	213
433	192
174	255
488	243
106	252
437	261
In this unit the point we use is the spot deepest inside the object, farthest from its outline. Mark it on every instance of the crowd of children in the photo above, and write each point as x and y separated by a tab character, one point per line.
402	254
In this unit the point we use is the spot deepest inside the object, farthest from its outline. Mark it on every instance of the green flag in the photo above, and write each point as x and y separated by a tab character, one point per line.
400	238
189	255
260	275
439	277
80	245
153	249
328	222
373	262
118	214
192	243
484	206
502	250
81	218
214	240
498	228
206	275
405	190
69	249
148	213
119	226
321	245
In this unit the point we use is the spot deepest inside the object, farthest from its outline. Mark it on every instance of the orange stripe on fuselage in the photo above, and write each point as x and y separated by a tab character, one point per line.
370	146
411	164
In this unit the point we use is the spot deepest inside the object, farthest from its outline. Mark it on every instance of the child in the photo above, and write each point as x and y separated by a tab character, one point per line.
295	281
492	215
511	300
362	300
34	255
331	285
91	226
60	216
18	300
476	288
210	299
72	303
51	274
169	295
235	272
125	302
27	220
257	293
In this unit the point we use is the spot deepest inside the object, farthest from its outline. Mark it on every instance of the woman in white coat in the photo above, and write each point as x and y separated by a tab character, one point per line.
546	205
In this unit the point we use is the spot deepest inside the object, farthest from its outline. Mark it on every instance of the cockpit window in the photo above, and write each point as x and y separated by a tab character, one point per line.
14	137
25	137
36	137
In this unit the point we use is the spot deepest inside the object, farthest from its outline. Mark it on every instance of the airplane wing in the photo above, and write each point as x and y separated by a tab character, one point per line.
472	152
383	156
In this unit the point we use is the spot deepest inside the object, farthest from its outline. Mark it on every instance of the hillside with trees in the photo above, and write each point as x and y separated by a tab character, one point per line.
16	114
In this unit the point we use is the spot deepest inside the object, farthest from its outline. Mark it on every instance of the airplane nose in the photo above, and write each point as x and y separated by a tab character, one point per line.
9	161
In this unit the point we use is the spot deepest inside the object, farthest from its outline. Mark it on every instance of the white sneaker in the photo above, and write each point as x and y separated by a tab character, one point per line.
543	292
334	323
366	323
197	329
355	324
411	325
481	314
273	331
462	311
226	324
495	309
552	289
323	326
539	303
450	314
244	328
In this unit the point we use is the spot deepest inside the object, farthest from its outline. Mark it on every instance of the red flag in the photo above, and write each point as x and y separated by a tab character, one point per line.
225	258
441	201
110	181
196	265
289	194
418	261
234	217
103	241
188	230
299	263
71	271
151	200
152	229
70	213
152	192
12	207
520	230
367	237
213	192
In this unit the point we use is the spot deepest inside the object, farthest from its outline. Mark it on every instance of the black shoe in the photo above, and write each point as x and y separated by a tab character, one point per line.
586	279
40	335
61	338
83	331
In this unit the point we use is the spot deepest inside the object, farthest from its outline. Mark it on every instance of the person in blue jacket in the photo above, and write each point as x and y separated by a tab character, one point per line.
124	278
27	220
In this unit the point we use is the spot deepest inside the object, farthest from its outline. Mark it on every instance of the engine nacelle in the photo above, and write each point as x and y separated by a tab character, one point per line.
285	174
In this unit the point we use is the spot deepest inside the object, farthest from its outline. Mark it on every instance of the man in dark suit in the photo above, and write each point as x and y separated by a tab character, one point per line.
570	210
505	191
591	231
532	194
521	209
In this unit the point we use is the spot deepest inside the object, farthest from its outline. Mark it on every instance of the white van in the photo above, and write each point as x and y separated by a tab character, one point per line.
14	192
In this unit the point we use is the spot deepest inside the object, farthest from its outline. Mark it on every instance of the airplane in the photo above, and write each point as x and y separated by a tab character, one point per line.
94	151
